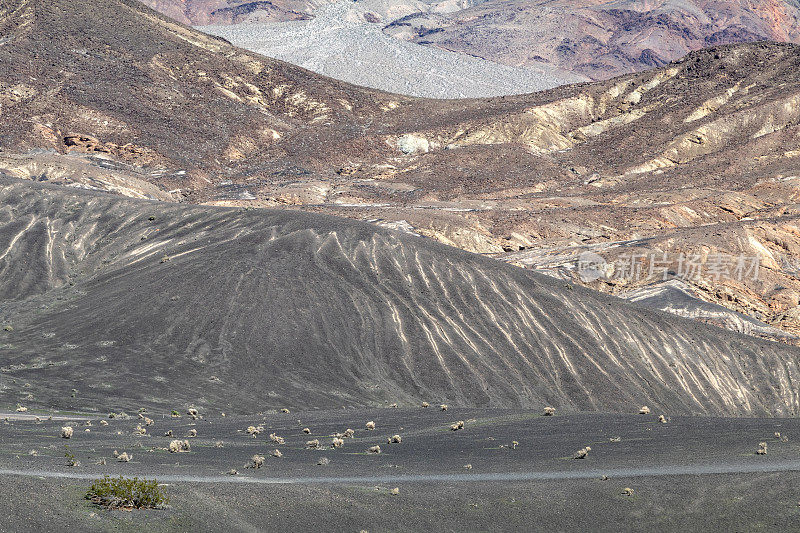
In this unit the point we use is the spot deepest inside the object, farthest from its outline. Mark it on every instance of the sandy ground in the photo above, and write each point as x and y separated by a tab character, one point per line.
695	473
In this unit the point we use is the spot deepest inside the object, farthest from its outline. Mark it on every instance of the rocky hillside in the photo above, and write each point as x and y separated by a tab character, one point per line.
696	160
124	303
198	12
600	38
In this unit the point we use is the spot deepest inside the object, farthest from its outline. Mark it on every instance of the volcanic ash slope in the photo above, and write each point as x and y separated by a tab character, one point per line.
110	302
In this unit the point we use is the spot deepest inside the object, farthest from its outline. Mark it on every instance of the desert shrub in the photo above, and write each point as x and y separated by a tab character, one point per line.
549	411
370	425
583	453
66	432
126	493
644	410
177	446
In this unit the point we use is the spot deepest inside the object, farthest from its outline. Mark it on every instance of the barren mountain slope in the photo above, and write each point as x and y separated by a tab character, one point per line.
600	38
697	158
126	303
234	11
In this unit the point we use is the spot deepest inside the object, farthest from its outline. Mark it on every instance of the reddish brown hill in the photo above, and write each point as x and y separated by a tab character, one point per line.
601	38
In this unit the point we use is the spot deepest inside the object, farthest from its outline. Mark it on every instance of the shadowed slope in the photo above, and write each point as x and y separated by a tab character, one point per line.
244	310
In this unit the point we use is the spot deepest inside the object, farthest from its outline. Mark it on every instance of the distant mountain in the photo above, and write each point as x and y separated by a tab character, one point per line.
198	12
600	38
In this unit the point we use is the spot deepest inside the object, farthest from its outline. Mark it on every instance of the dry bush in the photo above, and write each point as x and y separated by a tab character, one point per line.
257	461
370	425
337	442
312	443
178	445
276	439
375	449
66	432
395	439
762	448
583	453
307	431
549	411
443	407
644	410
276	453
124	457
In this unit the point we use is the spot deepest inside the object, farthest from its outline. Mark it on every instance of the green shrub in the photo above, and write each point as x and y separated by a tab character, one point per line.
126	493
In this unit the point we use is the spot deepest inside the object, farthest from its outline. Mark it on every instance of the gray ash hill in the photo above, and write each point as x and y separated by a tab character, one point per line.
116	303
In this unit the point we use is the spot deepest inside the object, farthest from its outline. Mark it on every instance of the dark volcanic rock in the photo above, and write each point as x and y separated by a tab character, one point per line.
129	303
